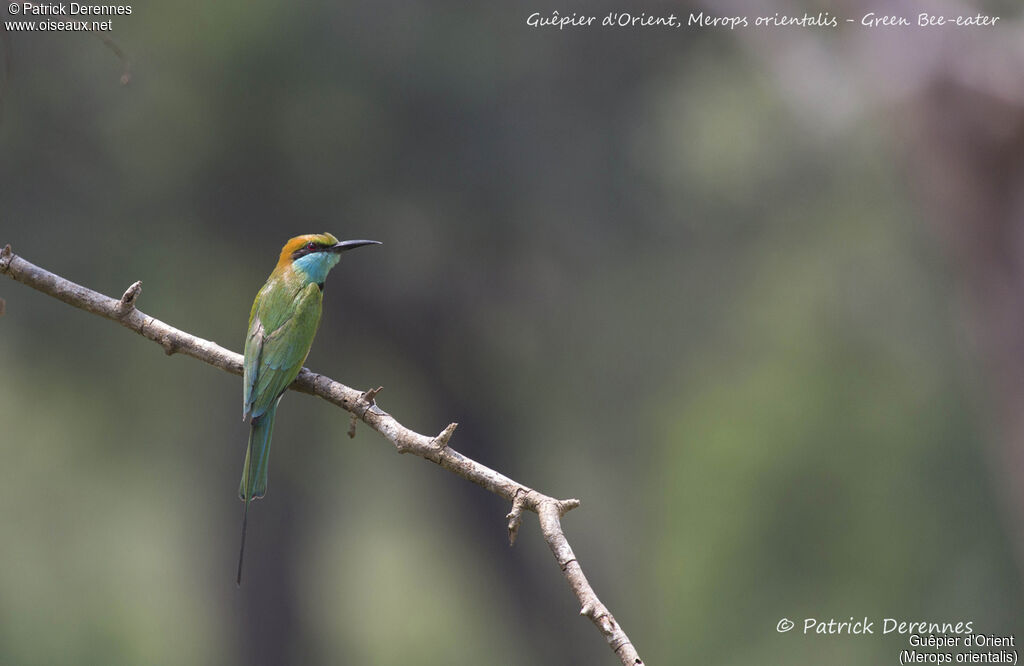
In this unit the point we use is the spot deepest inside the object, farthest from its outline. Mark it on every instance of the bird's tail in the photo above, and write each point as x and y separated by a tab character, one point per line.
254	473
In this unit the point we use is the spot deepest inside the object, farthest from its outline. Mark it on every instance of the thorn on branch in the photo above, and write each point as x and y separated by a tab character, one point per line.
515	516
127	302
370	406
352	426
441	441
368	398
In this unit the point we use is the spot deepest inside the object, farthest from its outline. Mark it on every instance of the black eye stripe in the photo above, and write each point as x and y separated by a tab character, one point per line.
309	248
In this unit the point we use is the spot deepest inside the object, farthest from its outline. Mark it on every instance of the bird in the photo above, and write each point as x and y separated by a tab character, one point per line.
282	324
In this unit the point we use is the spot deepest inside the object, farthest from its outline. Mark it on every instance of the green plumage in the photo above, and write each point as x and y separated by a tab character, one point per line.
282	325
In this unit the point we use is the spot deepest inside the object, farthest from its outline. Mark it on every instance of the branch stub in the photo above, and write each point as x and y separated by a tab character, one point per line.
515	516
441	441
6	256
127	302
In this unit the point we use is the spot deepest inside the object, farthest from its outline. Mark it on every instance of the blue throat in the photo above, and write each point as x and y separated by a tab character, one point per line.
316	266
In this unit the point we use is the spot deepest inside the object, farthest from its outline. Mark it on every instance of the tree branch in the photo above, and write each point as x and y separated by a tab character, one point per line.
361	405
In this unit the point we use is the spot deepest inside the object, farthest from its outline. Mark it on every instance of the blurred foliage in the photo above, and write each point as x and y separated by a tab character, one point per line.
620	261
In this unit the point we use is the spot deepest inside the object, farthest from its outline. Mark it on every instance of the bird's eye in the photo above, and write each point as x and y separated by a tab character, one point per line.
311	245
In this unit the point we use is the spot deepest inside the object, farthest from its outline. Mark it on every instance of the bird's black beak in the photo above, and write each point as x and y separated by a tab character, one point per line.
350	244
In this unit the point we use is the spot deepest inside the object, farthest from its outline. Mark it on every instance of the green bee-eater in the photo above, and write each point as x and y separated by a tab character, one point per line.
282	324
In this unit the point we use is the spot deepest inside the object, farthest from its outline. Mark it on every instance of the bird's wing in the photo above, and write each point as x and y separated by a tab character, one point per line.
253	348
282	350
250	365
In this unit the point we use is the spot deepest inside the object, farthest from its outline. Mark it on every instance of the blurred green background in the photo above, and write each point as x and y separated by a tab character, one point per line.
635	266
